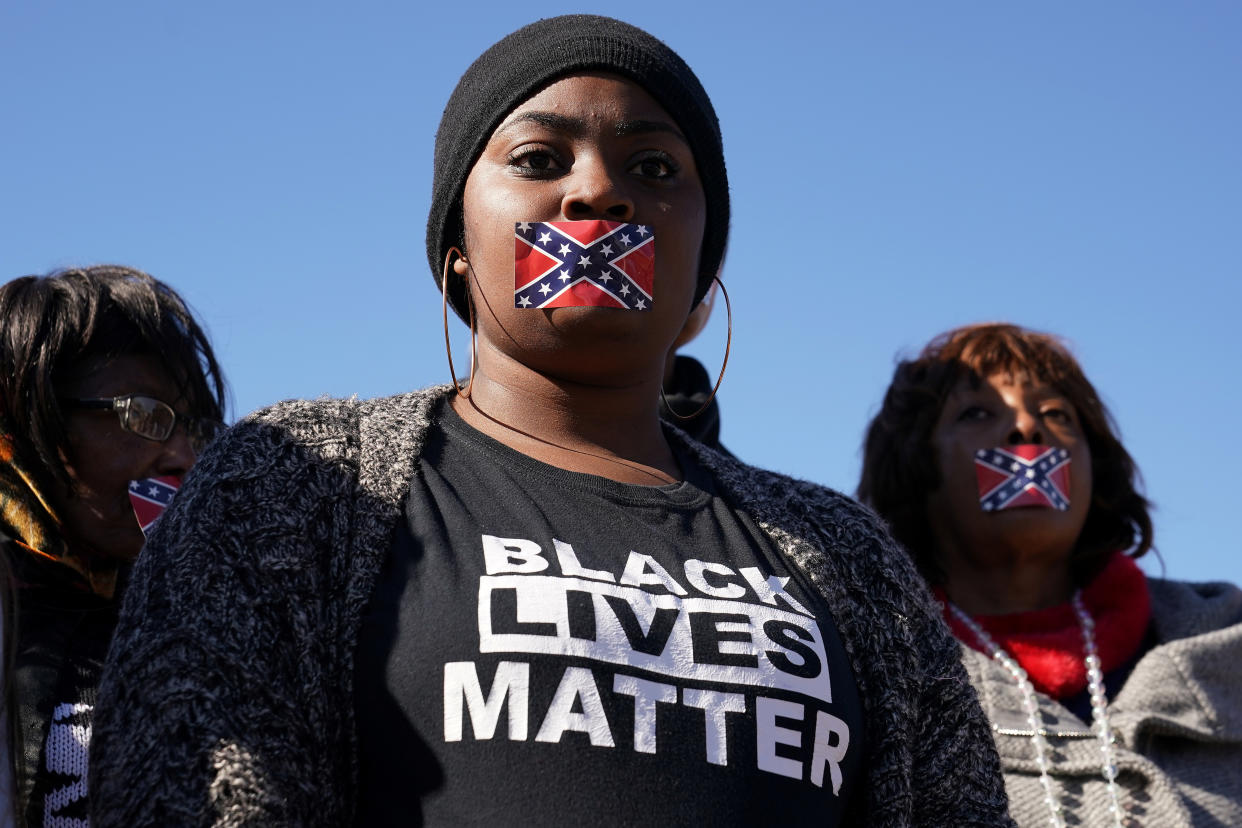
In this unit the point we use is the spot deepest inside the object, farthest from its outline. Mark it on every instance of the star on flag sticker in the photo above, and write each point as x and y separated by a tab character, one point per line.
596	263
149	497
1028	474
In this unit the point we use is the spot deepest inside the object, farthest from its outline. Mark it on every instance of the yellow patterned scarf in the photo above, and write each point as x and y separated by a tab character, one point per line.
29	518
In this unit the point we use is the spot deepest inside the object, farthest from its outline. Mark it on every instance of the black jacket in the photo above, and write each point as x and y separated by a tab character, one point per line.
62	631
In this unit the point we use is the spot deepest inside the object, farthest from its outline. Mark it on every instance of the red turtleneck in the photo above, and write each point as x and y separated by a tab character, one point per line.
1048	642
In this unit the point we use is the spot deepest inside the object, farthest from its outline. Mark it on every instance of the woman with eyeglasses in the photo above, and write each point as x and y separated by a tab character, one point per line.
106	381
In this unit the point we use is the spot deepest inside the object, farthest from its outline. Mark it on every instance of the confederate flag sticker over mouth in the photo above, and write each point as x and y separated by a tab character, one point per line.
150	497
1023	475
579	264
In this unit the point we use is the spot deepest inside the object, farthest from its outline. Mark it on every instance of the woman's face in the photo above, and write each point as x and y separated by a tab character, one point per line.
585	147
104	457
1004	410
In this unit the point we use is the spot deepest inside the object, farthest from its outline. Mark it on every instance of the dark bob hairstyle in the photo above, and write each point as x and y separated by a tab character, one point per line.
52	326
899	462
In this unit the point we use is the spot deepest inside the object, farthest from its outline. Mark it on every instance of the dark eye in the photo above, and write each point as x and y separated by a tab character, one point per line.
1057	415
973	412
656	165
535	162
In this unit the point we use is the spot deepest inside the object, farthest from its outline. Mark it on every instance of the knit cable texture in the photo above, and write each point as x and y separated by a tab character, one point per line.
1177	721
228	696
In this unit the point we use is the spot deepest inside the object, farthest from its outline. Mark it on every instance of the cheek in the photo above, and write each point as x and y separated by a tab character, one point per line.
955	465
489	215
485	236
101	474
686	234
677	268
491	205
104	489
87	469
959	483
1082	482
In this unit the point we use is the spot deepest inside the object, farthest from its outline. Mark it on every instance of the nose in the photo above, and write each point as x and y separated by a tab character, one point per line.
178	454
595	191
1026	429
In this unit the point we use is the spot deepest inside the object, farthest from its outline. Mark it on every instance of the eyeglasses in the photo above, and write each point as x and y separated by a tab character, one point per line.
154	419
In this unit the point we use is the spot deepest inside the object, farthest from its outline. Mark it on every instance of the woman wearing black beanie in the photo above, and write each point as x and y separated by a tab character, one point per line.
521	598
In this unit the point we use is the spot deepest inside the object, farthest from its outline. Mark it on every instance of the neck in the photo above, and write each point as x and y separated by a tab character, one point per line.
609	430
1009	585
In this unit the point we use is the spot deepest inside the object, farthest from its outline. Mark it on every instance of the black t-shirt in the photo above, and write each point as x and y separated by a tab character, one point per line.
548	647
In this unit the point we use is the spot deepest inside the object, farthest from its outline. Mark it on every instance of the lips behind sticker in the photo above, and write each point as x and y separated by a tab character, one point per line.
594	263
1025	475
150	497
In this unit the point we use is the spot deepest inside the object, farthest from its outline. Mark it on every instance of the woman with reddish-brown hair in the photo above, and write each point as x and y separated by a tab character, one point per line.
1113	696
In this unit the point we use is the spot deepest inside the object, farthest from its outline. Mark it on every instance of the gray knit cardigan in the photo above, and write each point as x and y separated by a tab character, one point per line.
1177	721
228	694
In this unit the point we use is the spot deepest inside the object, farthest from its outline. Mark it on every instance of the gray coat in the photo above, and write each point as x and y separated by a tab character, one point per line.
228	695
1177	722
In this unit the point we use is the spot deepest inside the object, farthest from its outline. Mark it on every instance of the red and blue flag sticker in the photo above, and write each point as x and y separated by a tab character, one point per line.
150	497
1028	474
576	264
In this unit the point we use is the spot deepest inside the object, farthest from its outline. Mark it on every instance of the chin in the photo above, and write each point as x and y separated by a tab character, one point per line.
569	318
605	329
122	544
1035	515
1031	526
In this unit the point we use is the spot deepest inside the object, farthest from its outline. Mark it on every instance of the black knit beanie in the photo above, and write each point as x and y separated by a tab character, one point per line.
531	58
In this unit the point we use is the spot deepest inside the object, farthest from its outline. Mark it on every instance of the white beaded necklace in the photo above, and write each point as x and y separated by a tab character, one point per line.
1030	706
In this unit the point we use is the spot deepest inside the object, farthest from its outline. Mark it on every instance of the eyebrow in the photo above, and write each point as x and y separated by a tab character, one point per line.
577	126
551	120
642	127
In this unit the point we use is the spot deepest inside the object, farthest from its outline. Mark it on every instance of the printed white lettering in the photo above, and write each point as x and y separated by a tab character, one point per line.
646	694
685	639
733	638
769	734
694	574
740	629
654	638
778	745
711	635
461	682
644	570
715	707
768	590
826	753
576	685
512	555
571	568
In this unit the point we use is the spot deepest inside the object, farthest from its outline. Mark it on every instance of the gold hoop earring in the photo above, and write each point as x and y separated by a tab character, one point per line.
448	346
723	365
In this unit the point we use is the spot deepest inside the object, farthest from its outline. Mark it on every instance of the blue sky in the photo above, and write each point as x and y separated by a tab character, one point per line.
896	169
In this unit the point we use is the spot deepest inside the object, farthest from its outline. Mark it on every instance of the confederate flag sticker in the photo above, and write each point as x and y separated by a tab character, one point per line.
578	264
1029	474
150	497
